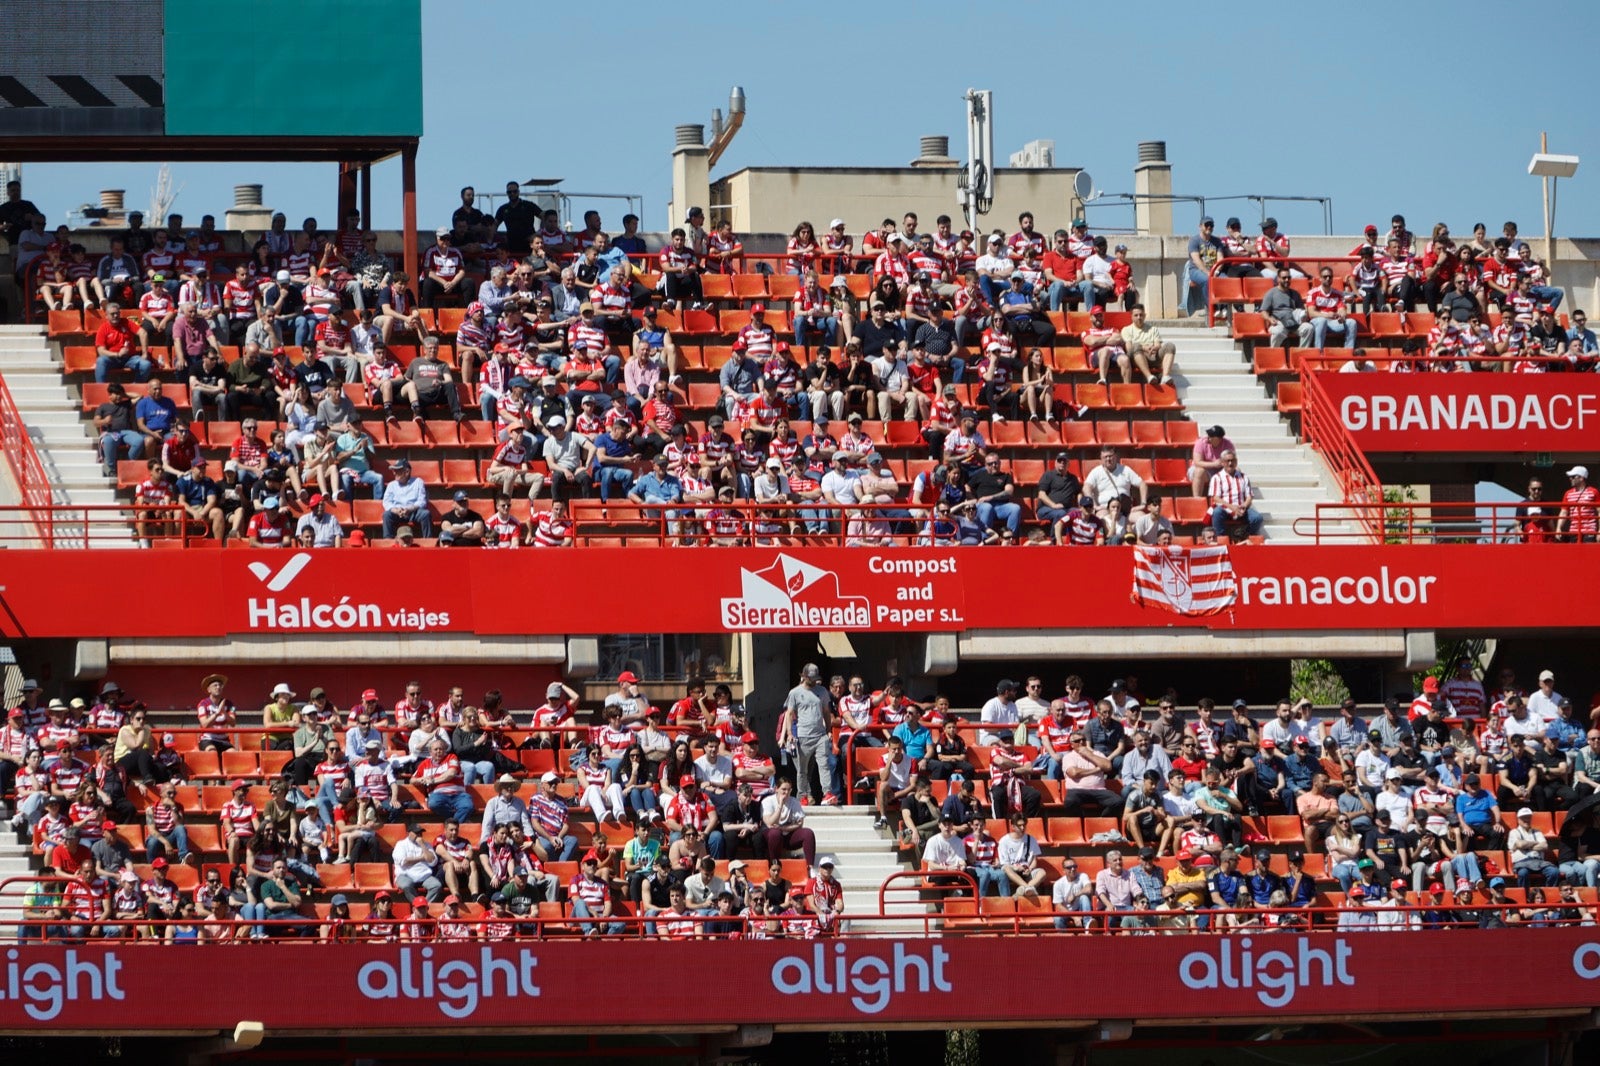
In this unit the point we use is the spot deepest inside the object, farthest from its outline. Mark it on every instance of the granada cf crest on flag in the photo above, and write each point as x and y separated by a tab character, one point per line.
1187	581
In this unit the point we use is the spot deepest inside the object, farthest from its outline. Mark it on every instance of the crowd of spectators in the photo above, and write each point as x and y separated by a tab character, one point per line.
1409	802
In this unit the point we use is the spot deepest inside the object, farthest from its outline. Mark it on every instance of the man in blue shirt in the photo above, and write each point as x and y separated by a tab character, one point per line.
155	414
1480	813
613	459
201	498
914	735
405	502
1581	333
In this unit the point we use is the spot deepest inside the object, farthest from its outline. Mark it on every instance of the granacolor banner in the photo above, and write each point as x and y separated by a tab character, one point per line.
813	984
202	592
1468	412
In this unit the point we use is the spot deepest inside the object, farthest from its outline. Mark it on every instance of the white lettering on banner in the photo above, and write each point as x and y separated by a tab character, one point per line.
870	980
44	988
792	594
1276	976
455	987
272	613
1293	590
1494	411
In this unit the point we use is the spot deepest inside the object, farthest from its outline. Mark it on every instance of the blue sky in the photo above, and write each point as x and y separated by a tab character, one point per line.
1385	107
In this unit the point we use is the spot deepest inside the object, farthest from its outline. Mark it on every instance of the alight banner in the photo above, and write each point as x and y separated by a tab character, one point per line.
796	983
424	591
1468	412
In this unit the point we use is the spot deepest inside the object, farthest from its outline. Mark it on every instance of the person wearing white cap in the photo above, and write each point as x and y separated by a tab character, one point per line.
548	815
1544	704
770	487
443	270
994	268
1530	851
824	894
1580	507
1394	800
838	245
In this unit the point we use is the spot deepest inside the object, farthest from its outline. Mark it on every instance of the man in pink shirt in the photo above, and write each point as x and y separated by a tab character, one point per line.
1207	458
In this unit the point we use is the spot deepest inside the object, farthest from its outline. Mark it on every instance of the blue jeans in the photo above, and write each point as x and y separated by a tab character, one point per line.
1345	873
421	523
1546	294
137	364
640	800
1051	514
616	479
613	365
130	439
457	805
370	478
180	840
1009	513
991	875
1588	869
1320	328
827	325
580	909
1058	294
800	405
815	521
325	799
1198	289
569	848
477	773
1220	519
254	912
1093	296
1543	867
1081	905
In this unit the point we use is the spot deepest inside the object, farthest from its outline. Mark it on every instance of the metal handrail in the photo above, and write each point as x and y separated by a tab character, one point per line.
1453	522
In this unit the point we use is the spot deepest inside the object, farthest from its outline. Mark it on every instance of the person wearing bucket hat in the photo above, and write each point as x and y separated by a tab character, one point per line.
216	712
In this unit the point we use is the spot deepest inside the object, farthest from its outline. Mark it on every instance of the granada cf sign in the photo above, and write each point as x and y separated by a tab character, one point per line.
1468	412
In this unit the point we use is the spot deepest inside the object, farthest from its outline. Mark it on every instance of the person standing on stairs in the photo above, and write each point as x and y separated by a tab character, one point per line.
805	731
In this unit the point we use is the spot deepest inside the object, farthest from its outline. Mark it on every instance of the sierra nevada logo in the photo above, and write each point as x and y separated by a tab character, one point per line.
793	595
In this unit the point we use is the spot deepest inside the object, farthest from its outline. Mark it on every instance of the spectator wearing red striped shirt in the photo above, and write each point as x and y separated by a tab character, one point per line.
1233	498
1580	518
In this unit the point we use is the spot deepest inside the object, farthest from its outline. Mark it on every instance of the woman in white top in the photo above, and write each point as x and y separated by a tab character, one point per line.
785	830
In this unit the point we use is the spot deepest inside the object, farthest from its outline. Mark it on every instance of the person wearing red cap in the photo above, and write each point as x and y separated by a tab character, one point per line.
590	897
15	744
691	807
452	924
627	696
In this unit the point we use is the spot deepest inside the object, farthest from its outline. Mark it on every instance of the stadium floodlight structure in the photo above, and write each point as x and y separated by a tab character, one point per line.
1549	168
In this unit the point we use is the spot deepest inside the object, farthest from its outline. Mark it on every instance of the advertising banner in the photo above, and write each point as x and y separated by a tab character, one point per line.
796	983
1468	412
208	593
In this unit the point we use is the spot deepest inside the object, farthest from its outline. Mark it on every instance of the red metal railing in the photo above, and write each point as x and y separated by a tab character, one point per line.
1322	427
744	523
1456	522
78	526
33	485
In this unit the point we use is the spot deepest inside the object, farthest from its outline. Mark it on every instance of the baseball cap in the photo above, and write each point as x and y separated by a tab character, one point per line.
1463	885
1546	675
31	685
373	745
1185	855
442	231
1365	864
283	276
369	694
1208	221
737	864
158	863
549	777
1216	431
461	496
1357	892
757	308
1525	812
1430	684
16	712
1268	744
1435	886
774	463
1579	471
836	223
1269	223
554	689
1399	884
1497	882
627	677
825	860
686	780
1392	774
1147	853
237	783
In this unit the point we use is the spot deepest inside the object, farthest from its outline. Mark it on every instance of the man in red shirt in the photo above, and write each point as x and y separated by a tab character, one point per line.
114	344
1580	507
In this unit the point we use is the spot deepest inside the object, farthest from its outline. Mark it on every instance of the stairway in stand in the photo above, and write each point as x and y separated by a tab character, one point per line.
865	858
62	435
1217	385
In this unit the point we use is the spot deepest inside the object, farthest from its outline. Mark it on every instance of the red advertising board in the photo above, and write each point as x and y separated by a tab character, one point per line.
866	982
1468	412
203	592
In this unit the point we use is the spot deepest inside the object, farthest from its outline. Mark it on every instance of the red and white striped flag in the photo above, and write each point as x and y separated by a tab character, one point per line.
1188	581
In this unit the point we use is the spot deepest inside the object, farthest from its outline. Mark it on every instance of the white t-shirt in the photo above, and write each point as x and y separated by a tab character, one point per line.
717	772
1032	710
1068	889
1106	485
844	487
943	852
997	712
1398	804
1374	764
1284	734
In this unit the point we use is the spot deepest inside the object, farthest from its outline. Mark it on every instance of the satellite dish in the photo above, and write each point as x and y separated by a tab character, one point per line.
1083	186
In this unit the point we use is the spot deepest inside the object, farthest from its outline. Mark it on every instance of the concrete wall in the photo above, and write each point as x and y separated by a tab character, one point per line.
776	199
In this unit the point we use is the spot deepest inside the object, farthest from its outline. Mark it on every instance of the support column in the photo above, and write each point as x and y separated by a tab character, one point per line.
366	195
347	191
408	209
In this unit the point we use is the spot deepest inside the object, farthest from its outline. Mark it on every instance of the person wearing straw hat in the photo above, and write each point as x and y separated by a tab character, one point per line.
215	712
